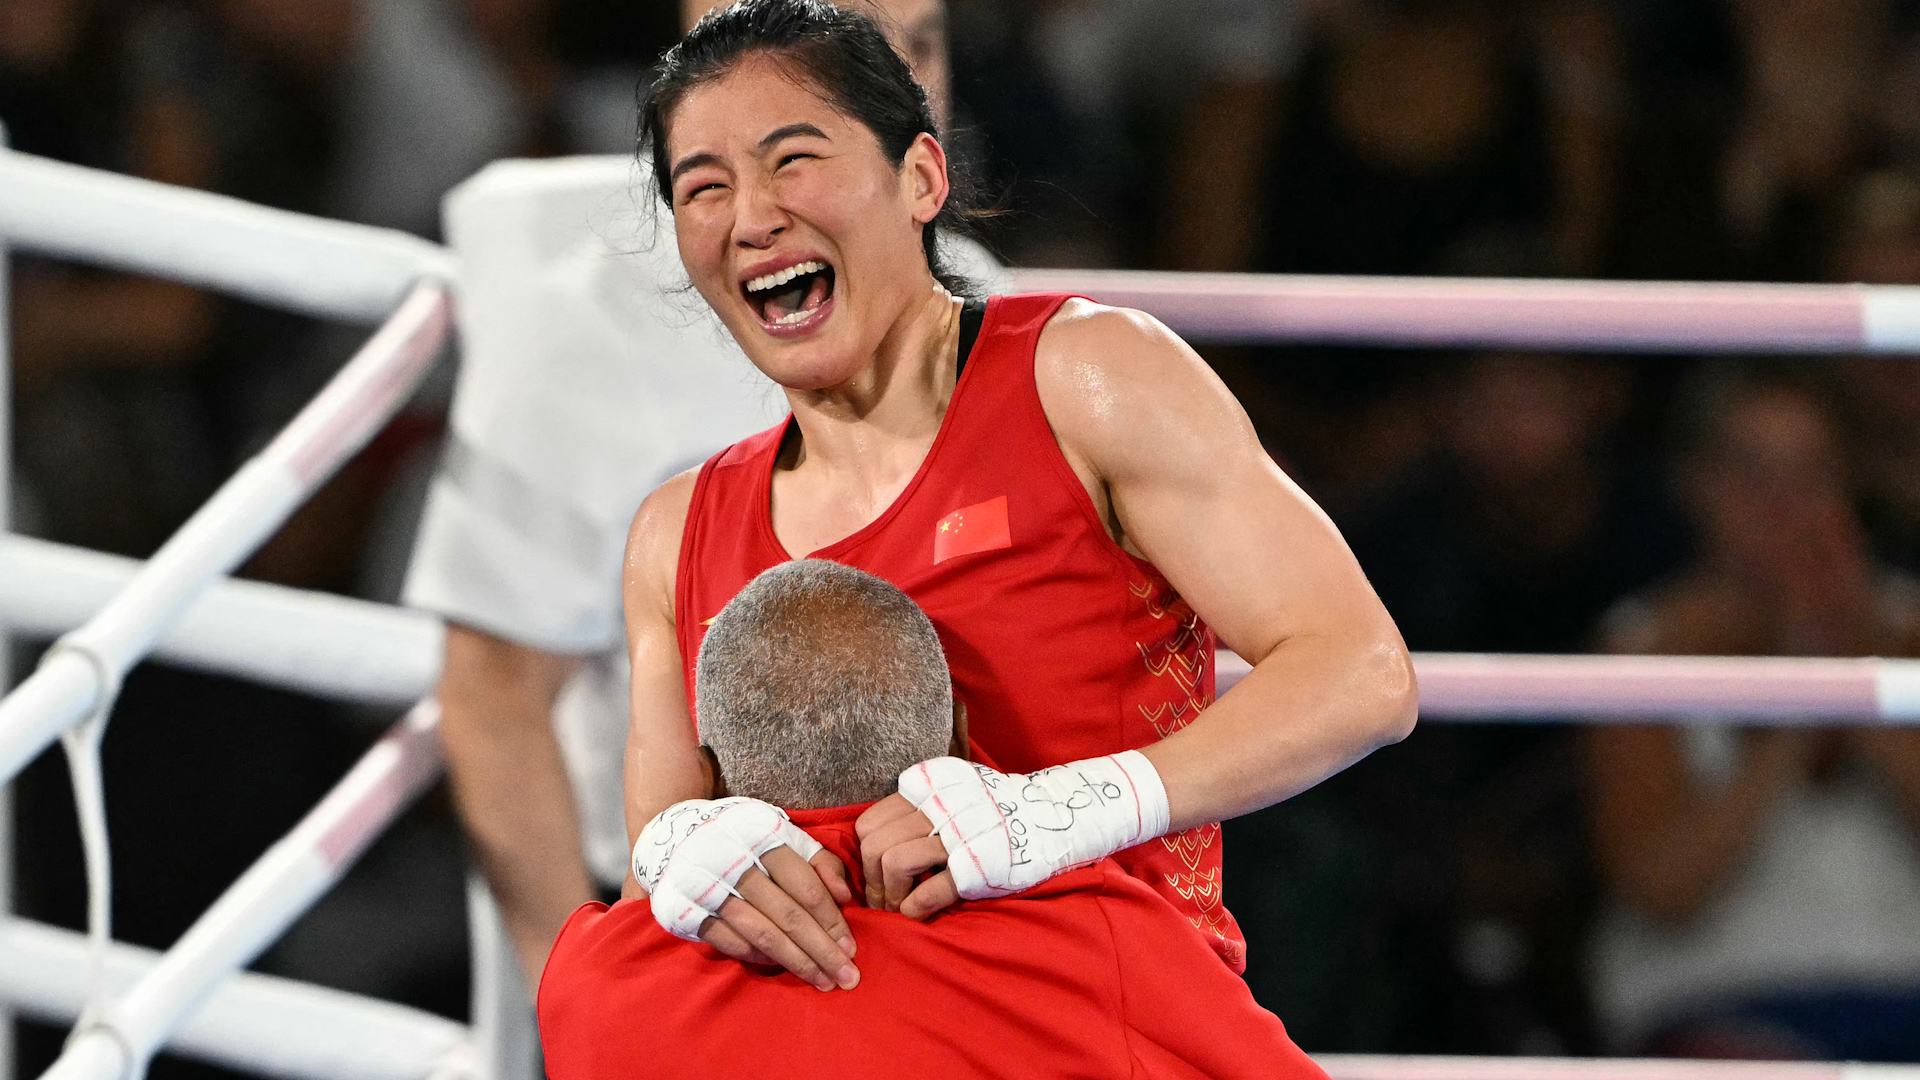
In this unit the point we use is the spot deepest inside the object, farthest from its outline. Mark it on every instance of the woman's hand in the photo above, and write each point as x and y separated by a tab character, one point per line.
738	875
897	845
1002	833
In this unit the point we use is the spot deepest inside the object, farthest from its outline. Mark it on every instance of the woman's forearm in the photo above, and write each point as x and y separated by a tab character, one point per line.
1311	708
656	778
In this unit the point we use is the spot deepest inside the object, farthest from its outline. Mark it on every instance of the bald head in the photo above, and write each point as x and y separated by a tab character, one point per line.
917	29
818	684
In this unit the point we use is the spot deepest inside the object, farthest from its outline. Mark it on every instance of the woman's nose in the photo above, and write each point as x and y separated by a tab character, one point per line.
758	219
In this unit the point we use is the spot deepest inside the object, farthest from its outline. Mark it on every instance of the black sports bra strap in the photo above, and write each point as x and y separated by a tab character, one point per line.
972	314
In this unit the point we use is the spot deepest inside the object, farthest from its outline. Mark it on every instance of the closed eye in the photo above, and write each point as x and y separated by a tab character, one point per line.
790	158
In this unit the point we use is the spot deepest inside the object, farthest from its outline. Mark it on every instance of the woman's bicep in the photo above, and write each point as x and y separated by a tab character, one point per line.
664	765
1198	495
663	762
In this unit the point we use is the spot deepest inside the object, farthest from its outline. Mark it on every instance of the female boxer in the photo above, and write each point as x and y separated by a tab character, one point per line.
1066	489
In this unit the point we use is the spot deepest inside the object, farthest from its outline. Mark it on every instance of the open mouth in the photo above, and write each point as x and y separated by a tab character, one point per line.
788	298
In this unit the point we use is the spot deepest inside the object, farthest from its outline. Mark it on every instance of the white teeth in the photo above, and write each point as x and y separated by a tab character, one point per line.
794	316
781	277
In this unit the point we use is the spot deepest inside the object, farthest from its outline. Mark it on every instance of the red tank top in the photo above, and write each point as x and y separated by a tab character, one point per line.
1062	645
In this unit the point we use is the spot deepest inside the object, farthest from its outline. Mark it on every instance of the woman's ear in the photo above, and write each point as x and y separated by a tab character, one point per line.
716	783
958	746
924	170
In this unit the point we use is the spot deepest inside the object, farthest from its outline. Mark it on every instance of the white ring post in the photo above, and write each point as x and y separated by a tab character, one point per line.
259	907
6	639
223	532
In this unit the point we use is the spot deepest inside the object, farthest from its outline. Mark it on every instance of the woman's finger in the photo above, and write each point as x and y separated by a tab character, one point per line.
905	829
887	809
801	880
833	873
762	934
905	862
934	895
788	932
724	938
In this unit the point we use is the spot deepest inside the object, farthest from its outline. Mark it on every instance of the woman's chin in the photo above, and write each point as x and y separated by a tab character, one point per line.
812	365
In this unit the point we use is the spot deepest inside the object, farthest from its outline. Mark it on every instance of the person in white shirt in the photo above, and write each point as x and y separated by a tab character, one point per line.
591	373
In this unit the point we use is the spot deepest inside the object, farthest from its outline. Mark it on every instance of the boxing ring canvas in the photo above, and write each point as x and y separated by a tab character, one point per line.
105	614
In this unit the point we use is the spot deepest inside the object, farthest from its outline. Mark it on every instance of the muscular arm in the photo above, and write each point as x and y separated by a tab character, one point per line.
1174	464
664	764
511	786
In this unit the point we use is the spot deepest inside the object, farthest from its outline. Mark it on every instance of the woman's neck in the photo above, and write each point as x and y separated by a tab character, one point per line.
896	402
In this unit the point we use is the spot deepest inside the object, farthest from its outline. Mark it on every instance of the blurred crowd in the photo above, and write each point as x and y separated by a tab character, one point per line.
1507	888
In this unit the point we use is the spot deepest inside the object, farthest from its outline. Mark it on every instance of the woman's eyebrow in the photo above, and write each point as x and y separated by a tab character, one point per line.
692	161
779	133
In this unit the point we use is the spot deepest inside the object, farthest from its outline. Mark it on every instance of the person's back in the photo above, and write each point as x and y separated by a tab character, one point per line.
817	686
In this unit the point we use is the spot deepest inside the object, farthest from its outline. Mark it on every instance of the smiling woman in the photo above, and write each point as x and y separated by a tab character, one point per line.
1066	489
739	152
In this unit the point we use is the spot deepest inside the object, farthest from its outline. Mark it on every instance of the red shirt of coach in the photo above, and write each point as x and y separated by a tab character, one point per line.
1089	975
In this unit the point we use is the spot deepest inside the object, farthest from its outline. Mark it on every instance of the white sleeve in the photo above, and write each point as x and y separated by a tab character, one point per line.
590	372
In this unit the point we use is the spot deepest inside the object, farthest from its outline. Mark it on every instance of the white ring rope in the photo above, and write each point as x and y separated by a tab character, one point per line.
317	643
309	264
1495	313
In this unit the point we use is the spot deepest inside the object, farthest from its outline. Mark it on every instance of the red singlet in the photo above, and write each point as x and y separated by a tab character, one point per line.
1062	645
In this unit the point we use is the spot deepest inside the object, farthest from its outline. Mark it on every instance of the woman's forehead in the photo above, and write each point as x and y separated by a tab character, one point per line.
758	95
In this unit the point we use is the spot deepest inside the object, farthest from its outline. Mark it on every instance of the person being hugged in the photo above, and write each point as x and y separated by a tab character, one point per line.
1065	488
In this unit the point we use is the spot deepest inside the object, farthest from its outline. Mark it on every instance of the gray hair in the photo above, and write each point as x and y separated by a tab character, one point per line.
818	684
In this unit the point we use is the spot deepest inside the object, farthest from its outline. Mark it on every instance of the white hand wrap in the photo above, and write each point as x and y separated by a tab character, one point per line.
1006	832
691	855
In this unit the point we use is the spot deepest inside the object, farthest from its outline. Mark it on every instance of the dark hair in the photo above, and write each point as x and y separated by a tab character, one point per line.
846	58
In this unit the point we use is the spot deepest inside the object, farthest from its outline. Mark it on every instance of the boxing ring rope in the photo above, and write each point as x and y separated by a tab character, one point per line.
356	650
1606	316
316	643
178	608
307	264
260	1023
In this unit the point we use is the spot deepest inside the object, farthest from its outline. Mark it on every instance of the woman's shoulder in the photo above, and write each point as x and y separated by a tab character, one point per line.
1114	379
653	540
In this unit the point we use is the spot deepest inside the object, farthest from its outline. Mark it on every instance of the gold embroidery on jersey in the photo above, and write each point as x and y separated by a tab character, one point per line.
1202	888
1192	844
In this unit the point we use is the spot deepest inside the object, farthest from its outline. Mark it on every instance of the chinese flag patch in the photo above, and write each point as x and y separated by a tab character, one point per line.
970	529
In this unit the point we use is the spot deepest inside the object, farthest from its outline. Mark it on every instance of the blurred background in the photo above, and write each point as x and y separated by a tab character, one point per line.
1478	889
